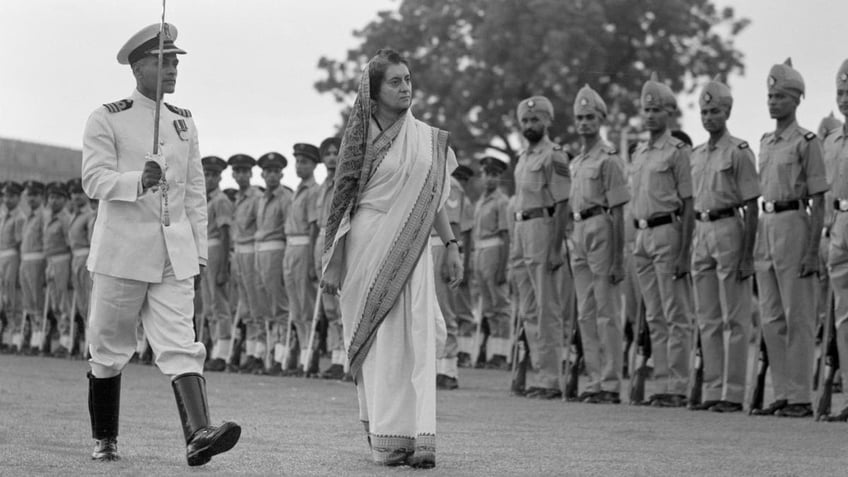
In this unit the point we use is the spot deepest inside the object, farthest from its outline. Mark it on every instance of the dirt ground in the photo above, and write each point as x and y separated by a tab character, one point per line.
297	426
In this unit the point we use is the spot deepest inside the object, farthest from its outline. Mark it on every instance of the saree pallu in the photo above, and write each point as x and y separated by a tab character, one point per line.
392	343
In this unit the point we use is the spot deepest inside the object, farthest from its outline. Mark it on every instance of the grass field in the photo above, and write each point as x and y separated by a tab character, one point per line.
298	427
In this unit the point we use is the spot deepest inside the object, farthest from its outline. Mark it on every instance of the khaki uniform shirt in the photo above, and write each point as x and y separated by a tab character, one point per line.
219	214
661	177
791	165
303	210
32	239
490	215
597	179
537	183
244	222
836	164
323	202
80	228
56	233
271	213
11	229
724	175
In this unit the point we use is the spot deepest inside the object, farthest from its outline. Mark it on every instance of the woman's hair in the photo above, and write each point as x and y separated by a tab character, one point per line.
377	67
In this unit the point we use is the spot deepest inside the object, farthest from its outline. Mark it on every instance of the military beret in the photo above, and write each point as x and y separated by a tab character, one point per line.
34	186
231	193
272	159
241	160
74	186
842	75
57	188
657	95
828	124
492	165
715	93
326	143
146	43
786	79
589	101
308	151
11	187
535	104
213	163
463	173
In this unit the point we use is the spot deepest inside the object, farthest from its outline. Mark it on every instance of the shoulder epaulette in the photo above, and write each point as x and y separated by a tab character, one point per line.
765	135
182	112
809	136
611	151
288	188
680	145
119	106
743	146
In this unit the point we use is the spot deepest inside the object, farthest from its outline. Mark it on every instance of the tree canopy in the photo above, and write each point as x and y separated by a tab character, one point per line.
472	61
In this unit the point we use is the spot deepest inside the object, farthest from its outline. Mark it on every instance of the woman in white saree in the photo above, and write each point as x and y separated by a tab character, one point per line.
391	185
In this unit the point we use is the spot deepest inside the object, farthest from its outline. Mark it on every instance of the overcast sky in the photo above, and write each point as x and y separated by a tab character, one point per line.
249	74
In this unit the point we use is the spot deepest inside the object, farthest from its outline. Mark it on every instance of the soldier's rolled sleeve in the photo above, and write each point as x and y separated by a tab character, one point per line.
195	198
559	180
682	173
813	165
614	183
747	181
101	179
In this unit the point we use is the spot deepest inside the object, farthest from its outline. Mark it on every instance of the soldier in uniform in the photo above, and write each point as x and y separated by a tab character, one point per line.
299	271
329	151
58	273
725	180
271	212
215	277
148	245
33	264
11	233
542	187
80	228
828	125
792	173
458	340
491	252
836	157
598	192
249	285
662	212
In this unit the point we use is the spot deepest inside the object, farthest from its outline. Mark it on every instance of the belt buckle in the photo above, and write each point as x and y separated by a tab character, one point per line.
770	207
643	224
843	205
705	216
519	216
577	216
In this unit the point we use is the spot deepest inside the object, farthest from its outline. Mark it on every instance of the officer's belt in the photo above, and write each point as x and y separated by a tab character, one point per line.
777	206
301	239
12	252
522	215
643	224
270	245
214	243
245	247
713	215
62	257
840	205
80	252
588	213
32	256
488	242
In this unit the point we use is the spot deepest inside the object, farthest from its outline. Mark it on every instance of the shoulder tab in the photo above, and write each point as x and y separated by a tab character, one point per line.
680	145
809	136
610	151
182	112
765	135
743	146
119	106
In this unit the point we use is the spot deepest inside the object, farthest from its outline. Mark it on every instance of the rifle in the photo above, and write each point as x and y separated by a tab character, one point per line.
72	342
628	343
760	384
236	339
309	367
519	350
828	361
698	374
643	352
574	357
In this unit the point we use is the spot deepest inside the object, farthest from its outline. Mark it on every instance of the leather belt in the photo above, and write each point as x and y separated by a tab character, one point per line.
245	248
213	242
11	252
297	239
62	257
488	242
777	206
643	224
522	215
270	245
80	252
712	215
590	212
32	256
840	205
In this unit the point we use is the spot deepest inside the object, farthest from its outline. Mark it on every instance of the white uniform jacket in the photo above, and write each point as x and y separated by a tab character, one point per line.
129	239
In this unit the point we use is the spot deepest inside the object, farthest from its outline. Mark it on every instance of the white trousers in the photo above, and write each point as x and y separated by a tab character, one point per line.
166	310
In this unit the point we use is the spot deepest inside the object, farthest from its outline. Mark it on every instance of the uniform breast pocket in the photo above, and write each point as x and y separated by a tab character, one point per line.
535	177
724	179
590	180
661	177
787	169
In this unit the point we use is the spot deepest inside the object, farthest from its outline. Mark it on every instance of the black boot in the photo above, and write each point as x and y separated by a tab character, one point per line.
202	440
104	399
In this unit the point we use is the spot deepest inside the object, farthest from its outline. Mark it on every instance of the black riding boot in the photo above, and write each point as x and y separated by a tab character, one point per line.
104	399
202	440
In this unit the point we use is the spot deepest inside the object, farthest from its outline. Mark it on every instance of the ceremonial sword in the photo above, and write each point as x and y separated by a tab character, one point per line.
163	181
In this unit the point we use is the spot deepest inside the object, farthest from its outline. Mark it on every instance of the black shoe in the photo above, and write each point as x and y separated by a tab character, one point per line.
841	417
61	352
463	360
669	400
202	440
422	460
604	397
726	406
217	365
498	362
704	406
771	409
105	450
801	409
276	369
335	371
446	382
586	396
544	393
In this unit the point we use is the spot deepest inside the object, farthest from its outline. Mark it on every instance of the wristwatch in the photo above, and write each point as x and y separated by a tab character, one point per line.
447	244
